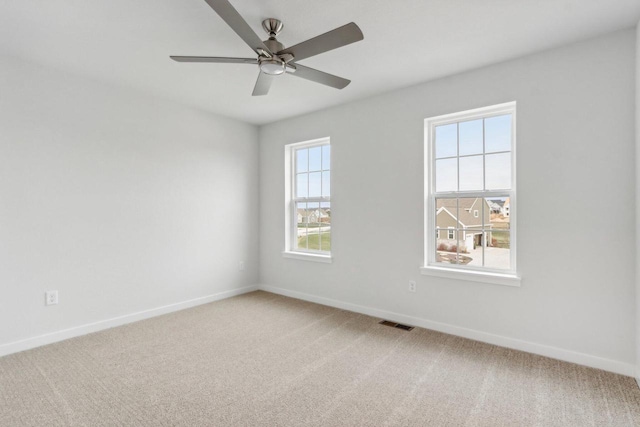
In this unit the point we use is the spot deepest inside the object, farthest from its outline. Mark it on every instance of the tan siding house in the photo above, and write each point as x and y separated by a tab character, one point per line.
468	217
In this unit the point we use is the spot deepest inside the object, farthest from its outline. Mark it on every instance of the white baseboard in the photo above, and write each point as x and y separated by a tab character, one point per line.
28	343
614	366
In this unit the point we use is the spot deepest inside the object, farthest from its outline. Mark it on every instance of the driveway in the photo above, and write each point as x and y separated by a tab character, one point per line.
493	257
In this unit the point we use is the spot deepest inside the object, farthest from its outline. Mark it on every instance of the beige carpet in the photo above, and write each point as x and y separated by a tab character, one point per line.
265	360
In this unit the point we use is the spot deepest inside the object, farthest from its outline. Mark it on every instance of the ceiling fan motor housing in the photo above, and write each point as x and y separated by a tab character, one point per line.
272	65
273	45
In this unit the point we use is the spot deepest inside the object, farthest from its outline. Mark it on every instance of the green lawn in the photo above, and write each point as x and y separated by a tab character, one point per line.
312	225
503	240
314	241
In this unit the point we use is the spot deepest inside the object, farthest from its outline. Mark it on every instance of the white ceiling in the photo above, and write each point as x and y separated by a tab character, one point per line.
405	42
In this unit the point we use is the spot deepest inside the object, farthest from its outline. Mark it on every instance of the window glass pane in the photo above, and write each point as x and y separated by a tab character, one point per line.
497	253
325	226
471	173
309	239
447	175
470	231
302	160
302	221
499	213
473	243
450	247
446	215
326	157
315	159
313	214
466	218
325	239
450	243
446	140
497	133
463	248
498	171
315	179
302	188
446	250
326	184
301	208
314	237
470	137
455	250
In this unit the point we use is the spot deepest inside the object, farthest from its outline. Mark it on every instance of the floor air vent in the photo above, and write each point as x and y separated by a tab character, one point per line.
396	325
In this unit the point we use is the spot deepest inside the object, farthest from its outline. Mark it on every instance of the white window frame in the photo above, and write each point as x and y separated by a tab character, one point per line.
478	274
291	251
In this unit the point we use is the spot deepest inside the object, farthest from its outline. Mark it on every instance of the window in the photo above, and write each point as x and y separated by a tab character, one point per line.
470	188
308	188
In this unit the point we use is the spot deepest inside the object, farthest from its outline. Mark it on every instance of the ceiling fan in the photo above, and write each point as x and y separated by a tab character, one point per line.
273	59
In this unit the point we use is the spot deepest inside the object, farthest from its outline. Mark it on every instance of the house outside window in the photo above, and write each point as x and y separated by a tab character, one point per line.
308	200
470	189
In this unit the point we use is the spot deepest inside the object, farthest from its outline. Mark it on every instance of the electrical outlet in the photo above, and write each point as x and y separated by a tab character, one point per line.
51	297
241	266
412	286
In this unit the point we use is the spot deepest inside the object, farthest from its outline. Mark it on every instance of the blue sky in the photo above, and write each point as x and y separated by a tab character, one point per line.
313	176
497	138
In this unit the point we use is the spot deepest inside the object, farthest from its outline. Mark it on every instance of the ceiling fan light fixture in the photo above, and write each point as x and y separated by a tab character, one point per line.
272	66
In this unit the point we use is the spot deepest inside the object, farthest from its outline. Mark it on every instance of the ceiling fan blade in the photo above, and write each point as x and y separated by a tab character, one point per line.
217	59
320	77
334	39
237	23
262	84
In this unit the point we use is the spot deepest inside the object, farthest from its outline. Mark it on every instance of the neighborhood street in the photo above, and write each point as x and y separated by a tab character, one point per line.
302	231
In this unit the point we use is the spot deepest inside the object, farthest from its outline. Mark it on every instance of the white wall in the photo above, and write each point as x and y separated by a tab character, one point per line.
576	216
120	201
637	109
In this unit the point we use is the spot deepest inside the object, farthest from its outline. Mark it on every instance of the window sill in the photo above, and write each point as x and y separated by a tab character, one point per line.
308	256
473	276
